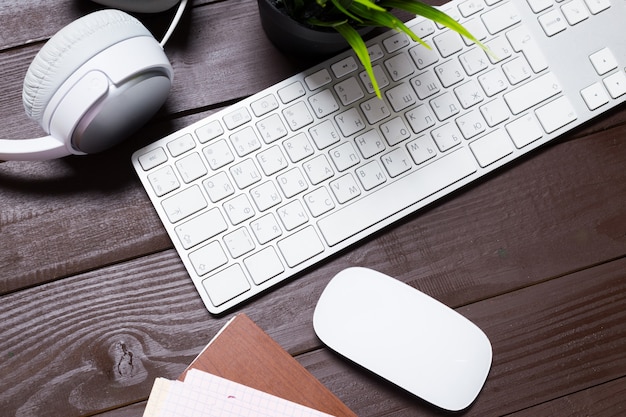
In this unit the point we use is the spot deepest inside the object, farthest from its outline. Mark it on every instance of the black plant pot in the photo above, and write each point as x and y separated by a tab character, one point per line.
297	39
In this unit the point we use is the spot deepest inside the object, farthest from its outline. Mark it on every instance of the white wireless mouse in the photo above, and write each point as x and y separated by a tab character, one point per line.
404	336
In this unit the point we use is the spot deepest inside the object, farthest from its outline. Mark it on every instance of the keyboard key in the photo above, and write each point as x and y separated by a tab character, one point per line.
474	61
395	42
556	114
181	145
344	67
209	131
469	7
163	180
318	169
491	147
324	134
245	141
300	246
264	265
152	159
238	242
524	130
292	182
191	167
471	124
265	196
423	57
522	40
344	156
184	204
324	103
298	147
264	105
575	12
445	106
238	209
450	72
616	84
245	173
517	70
532	93
370	175
446	136
318	79
501	17
319	201
369	143
552	22
291	92
266	228
396	162
298	116
350	122
364	213
375	110
349	91
345	188
379	74
201	228
603	61
208	258
469	94
292	215
401	96
421	149
448	43
395	131
226	285
493	82
218	154
399	67
495	112
595	95
597	6
272	160
271	128
540	5
218	187
237	117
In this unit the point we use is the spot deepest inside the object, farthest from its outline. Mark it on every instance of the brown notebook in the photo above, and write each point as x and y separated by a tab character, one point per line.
244	353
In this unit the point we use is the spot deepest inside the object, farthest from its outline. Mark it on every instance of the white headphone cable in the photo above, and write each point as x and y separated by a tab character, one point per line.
175	21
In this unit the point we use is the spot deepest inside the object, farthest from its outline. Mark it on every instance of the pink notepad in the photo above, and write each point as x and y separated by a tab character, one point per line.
202	394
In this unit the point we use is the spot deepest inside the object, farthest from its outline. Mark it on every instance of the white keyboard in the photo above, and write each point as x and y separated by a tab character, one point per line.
268	187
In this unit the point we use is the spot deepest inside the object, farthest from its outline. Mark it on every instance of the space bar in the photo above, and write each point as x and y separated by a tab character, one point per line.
398	195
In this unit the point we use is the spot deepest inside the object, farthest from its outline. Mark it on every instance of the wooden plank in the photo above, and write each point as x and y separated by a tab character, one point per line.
99	340
607	399
517	246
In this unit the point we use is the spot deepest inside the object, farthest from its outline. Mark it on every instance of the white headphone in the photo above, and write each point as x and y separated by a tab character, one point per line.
95	82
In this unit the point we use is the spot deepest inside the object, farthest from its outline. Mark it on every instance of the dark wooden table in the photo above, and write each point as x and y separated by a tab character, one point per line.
95	303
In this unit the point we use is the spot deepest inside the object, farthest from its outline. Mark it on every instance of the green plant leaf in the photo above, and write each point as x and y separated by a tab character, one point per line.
434	14
386	19
370	5
358	45
343	10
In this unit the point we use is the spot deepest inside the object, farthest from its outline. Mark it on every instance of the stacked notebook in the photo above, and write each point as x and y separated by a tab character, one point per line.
244	372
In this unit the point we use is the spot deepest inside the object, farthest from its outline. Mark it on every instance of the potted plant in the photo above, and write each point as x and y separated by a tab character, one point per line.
315	27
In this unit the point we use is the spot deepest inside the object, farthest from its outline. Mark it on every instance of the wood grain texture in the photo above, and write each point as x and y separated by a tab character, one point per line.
95	303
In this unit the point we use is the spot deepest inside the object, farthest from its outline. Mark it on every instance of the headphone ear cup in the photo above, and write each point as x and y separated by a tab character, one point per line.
70	48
